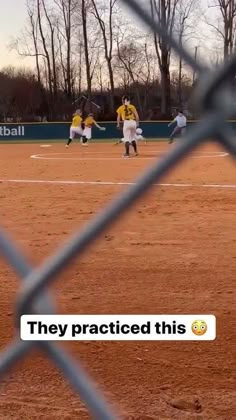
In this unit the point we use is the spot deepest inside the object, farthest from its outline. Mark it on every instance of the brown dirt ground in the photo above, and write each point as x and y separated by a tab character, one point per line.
174	252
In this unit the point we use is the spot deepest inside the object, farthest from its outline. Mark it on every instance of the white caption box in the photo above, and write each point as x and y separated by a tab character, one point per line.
118	327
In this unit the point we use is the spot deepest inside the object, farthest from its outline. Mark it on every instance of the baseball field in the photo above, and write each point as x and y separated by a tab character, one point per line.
172	253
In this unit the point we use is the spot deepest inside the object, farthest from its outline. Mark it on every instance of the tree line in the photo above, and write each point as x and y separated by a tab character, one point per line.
88	53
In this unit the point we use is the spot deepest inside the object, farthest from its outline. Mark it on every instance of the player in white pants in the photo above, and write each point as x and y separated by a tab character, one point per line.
181	123
129	115
76	126
87	132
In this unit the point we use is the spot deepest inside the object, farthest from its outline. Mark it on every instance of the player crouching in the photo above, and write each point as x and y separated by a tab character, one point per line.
138	137
87	131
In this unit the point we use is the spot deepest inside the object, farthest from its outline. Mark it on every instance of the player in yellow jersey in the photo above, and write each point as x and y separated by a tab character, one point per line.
89	122
76	126
129	115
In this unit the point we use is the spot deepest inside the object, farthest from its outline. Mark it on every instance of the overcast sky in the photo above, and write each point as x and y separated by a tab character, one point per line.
12	21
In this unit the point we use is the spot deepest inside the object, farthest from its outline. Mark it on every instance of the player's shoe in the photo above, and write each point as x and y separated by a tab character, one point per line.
136	154
126	155
67	146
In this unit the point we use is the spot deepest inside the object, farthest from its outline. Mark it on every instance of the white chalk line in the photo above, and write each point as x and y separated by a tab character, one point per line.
86	152
111	183
51	156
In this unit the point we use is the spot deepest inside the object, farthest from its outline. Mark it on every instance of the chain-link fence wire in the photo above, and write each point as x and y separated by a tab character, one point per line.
214	100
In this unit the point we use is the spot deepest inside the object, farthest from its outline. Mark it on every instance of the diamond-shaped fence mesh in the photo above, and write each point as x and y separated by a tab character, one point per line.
214	101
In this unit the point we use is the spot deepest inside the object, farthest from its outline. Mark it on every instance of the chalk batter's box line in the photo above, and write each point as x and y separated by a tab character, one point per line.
111	183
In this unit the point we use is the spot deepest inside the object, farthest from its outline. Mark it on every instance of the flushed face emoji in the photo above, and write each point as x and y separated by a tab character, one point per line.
199	327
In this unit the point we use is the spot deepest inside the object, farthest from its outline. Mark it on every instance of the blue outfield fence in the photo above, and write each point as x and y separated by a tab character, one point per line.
158	130
60	131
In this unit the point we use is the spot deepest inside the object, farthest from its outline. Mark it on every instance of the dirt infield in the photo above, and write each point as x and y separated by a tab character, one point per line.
173	253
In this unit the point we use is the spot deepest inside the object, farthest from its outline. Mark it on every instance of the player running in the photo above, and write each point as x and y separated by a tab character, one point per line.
76	126
87	132
181	123
129	115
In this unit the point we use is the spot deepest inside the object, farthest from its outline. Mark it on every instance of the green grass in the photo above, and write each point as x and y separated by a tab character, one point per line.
59	141
24	141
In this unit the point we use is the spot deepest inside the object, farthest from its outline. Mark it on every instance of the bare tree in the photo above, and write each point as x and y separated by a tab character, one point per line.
45	47
136	62
79	67
63	78
89	46
104	15
225	25
84	14
20	93
164	11
52	46
28	43
129	57
65	26
187	15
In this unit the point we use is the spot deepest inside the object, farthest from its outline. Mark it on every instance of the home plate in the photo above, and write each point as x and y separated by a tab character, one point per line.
45	145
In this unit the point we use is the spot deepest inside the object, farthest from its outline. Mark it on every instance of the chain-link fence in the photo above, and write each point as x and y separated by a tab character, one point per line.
214	99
